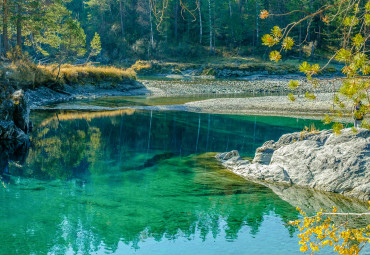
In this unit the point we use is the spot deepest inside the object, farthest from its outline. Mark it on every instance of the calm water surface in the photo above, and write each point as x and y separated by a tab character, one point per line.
143	182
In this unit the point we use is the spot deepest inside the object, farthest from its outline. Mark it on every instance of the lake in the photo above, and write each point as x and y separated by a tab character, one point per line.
134	181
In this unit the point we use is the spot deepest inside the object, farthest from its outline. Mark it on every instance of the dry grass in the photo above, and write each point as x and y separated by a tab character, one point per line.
88	73
26	74
308	131
140	64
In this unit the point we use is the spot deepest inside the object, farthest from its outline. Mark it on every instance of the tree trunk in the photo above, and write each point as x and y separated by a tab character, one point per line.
200	24
214	31
102	26
121	15
210	27
151	24
300	41
231	21
19	26
5	26
176	20
257	24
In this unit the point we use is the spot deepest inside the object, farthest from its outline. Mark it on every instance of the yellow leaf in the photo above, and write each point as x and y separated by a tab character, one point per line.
264	14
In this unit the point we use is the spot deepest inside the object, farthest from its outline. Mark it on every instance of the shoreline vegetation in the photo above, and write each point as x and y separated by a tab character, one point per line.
25	75
228	67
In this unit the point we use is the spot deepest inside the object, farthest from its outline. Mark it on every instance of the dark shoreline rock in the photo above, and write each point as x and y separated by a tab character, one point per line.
319	160
15	125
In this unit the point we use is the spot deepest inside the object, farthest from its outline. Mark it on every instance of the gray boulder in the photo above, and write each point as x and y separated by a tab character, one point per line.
319	160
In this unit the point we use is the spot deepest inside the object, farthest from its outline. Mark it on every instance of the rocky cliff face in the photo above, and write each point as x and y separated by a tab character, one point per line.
320	160
14	127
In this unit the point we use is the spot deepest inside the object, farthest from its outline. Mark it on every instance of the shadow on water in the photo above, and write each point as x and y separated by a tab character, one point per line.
77	193
11	151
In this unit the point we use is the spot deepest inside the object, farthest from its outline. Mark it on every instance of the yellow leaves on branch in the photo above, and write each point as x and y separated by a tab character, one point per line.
275	56
288	43
319	231
264	14
268	40
309	69
274	37
276	31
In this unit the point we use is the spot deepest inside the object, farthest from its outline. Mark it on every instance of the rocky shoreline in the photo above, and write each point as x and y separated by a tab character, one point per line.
43	95
15	126
267	106
319	160
254	96
255	84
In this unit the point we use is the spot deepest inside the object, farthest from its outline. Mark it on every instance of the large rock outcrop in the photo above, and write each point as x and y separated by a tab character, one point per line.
14	127
320	160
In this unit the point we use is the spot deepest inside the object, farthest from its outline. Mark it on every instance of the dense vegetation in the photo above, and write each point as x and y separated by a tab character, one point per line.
150	29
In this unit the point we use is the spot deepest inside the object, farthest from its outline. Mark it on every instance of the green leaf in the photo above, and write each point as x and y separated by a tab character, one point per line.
337	128
327	119
291	97
351	21
367	6
367	19
309	96
293	84
308	69
357	40
343	55
304	67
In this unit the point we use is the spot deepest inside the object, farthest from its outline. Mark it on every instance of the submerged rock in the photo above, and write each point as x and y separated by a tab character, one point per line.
319	160
157	158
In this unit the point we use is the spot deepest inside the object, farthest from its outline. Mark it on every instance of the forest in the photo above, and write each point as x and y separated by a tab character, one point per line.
129	30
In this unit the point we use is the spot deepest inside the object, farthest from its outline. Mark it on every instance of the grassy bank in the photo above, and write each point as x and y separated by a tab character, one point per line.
26	74
226	67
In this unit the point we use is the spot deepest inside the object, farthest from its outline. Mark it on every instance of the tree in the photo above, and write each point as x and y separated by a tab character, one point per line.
95	47
353	53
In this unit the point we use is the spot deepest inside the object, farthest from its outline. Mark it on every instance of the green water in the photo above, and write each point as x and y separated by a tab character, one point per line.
144	182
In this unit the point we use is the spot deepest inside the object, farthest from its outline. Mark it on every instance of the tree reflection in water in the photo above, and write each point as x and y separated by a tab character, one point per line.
90	180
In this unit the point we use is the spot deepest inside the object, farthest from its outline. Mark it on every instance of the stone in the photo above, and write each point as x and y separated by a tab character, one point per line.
6	110
228	155
14	128
21	114
319	160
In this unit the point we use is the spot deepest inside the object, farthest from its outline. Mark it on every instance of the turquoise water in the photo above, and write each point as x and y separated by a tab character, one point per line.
145	182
